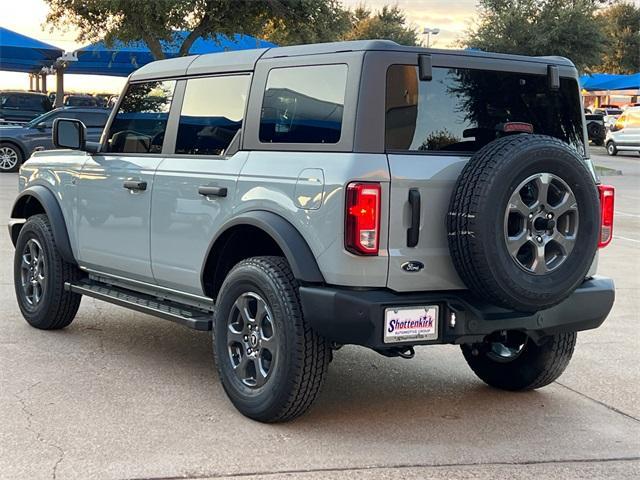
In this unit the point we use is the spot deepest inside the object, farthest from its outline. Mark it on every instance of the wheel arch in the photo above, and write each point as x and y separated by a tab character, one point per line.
36	200
257	233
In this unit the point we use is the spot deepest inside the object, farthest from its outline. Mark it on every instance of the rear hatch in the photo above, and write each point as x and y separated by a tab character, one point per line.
432	129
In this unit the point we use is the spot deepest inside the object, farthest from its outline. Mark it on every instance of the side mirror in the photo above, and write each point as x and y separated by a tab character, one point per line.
68	133
41	126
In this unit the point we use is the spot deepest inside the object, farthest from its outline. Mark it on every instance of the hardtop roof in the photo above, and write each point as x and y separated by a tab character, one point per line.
245	60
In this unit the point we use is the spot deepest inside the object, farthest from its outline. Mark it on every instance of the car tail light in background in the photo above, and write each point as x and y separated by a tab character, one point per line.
607	194
362	226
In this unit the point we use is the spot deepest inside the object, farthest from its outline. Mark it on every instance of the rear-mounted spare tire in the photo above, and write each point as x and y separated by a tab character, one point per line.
523	222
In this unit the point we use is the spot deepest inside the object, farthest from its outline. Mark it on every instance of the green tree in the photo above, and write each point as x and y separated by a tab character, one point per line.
621	27
390	23
539	27
287	21
308	21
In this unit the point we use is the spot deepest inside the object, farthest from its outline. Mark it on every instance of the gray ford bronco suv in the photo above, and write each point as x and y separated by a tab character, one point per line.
293	200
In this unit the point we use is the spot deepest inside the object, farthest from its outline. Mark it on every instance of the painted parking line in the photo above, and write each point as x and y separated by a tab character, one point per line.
626	238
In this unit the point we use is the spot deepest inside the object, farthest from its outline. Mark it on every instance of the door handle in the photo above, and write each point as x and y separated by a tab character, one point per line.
413	232
135	185
209	191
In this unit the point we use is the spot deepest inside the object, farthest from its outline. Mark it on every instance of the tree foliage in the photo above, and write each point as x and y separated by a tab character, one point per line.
539	27
307	21
284	22
621	28
390	23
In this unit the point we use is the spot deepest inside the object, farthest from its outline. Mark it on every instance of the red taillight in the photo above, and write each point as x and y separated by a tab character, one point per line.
362	227
522	127
607	194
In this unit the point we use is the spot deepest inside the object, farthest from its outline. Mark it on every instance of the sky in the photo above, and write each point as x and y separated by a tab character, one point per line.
451	17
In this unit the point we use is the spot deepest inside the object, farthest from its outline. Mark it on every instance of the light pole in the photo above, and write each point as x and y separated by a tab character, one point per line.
428	32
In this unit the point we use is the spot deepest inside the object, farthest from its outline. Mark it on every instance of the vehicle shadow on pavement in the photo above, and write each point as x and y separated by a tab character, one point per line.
361	386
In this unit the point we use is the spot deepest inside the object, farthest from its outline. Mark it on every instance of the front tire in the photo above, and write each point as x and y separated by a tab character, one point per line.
10	157
39	275
271	363
611	149
514	362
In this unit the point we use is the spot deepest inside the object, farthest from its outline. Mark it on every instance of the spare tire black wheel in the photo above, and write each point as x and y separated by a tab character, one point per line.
523	222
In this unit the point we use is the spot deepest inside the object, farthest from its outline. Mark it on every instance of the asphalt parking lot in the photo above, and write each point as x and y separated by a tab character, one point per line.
120	395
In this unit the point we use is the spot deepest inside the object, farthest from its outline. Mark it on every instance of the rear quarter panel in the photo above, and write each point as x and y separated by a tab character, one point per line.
280	182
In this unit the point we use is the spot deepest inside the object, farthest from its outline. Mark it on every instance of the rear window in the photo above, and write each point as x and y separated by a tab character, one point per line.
304	104
81	102
461	110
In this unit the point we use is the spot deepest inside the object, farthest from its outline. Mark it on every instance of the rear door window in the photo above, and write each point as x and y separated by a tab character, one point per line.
141	121
304	104
461	110
212	113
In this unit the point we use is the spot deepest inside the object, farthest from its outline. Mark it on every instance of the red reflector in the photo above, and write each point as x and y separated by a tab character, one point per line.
362	225
523	127
607	195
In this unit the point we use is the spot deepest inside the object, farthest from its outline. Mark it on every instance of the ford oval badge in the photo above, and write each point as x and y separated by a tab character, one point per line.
412	266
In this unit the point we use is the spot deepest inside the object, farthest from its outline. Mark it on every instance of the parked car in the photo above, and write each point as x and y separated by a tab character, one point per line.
610	115
81	101
296	199
624	135
596	129
22	106
18	142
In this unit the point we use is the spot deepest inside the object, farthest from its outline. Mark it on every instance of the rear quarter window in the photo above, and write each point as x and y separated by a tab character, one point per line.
304	104
461	110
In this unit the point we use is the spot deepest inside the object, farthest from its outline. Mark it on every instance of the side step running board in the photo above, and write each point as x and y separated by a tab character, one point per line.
183	314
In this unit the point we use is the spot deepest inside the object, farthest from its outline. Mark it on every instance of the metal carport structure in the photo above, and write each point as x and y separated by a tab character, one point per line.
120	59
20	53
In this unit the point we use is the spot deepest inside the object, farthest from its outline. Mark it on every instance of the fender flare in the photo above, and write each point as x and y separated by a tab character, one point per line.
52	209
295	248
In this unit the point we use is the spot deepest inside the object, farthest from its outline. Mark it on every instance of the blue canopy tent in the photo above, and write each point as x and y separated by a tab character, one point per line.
604	81
19	53
121	59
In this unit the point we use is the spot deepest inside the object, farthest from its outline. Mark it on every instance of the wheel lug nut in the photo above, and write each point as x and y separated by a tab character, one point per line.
539	239
249	350
549	216
531	215
246	338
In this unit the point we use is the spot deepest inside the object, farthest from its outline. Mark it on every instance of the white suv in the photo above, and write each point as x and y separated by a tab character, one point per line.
624	135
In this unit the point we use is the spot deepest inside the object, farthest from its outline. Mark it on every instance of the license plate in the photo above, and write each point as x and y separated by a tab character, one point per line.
405	324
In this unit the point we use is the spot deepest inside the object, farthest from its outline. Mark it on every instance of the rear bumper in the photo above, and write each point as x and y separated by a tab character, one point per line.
348	316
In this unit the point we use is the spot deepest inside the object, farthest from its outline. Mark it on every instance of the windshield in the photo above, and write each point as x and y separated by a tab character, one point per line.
462	110
45	117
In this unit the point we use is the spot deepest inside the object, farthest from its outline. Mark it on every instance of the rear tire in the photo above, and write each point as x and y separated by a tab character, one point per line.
39	277
271	363
611	149
535	366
